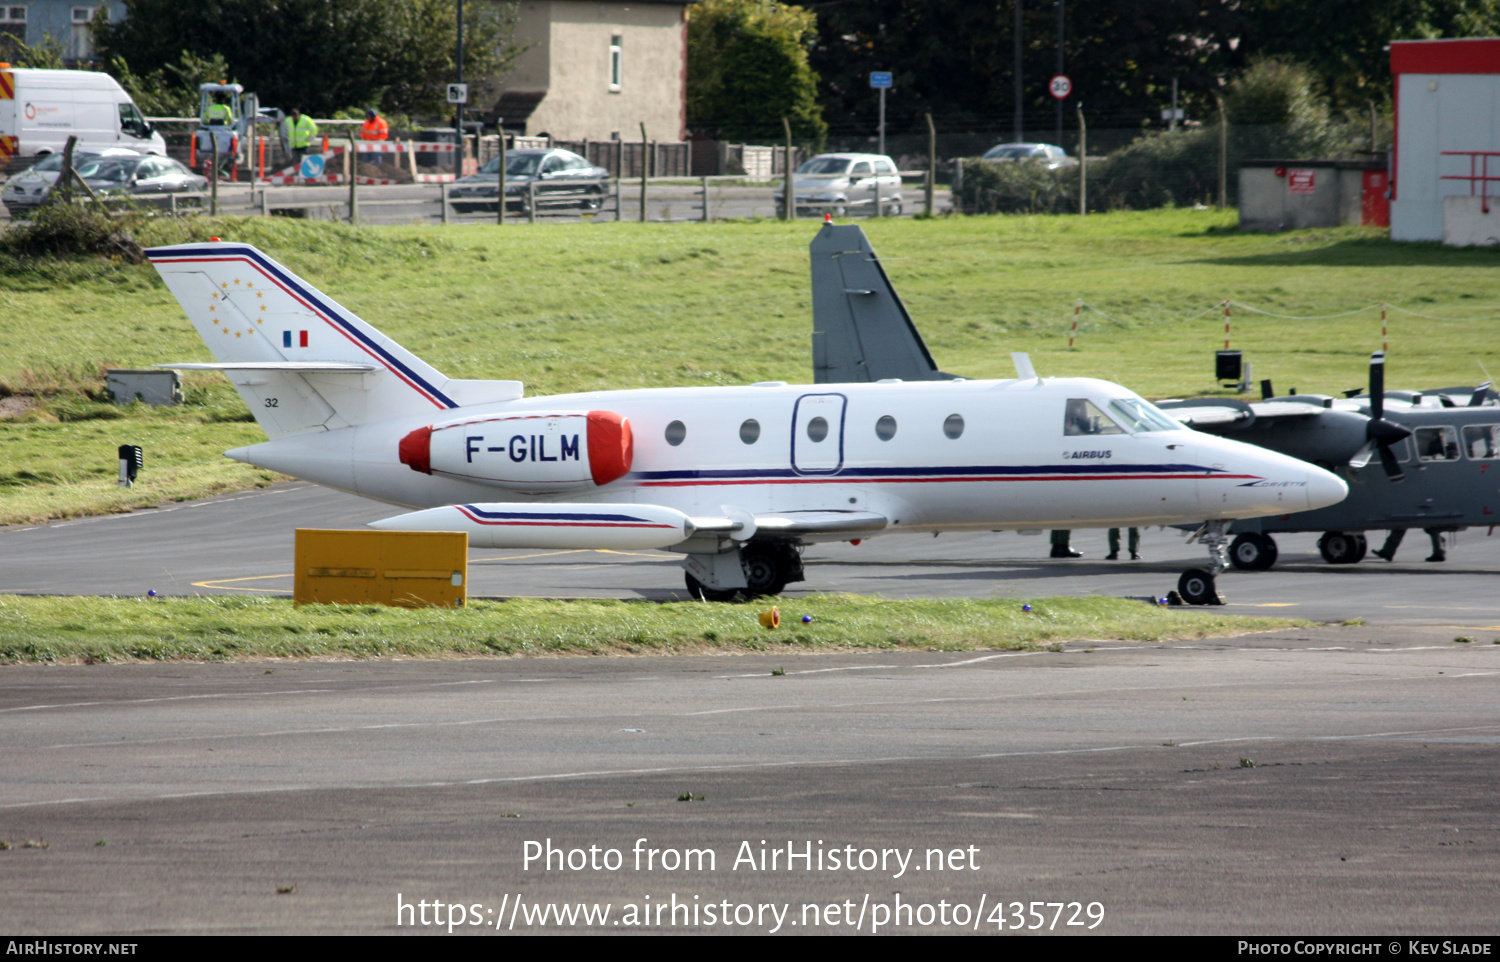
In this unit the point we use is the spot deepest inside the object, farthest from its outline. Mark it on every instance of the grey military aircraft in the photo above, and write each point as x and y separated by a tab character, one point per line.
1435	448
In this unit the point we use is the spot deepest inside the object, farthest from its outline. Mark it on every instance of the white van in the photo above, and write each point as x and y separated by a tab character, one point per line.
40	109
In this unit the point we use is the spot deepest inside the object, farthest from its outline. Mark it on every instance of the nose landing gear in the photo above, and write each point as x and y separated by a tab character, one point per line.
1197	586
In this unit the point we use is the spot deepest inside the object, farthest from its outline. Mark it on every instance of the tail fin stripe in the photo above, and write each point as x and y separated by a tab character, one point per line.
310	300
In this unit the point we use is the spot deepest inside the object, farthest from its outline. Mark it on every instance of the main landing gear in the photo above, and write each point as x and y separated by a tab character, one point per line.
1197	586
751	570
1253	551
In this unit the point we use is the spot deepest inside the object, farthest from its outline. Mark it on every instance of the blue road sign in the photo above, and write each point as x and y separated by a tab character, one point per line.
880	79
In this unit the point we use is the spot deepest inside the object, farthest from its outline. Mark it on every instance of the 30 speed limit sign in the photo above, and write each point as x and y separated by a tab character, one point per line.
1060	86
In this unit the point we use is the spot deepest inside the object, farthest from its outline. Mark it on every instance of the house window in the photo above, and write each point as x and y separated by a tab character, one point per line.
81	44
616	63
13	22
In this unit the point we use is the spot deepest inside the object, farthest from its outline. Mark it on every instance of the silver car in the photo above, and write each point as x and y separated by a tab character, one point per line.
1050	156
26	191
840	183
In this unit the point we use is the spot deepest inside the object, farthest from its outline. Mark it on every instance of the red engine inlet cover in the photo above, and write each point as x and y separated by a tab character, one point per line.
611	446
416	450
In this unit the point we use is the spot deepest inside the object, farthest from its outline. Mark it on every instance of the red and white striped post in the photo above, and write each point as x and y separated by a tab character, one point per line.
1226	325
1385	341
1074	332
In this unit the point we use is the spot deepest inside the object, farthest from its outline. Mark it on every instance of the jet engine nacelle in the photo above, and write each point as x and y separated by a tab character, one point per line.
525	452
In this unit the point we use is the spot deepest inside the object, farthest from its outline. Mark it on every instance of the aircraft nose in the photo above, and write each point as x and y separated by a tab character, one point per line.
1324	488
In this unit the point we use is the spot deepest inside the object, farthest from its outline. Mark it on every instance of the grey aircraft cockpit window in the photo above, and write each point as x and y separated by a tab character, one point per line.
1085	420
1437	444
1482	441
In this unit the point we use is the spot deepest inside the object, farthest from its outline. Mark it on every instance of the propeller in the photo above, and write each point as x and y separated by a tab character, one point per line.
1380	434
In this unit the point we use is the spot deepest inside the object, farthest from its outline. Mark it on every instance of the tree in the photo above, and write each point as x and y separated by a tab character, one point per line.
1344	41
748	68
956	60
321	55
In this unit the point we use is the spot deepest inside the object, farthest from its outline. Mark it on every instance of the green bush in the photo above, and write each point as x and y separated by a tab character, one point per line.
1006	187
61	230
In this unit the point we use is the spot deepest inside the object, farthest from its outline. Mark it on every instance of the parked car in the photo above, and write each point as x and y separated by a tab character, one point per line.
1049	155
25	192
139	177
839	183
562	179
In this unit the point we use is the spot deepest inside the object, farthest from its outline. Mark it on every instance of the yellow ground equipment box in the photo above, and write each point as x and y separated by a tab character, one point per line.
412	569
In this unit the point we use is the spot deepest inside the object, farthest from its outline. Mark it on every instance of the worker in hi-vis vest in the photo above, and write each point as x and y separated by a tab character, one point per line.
374	128
219	113
300	132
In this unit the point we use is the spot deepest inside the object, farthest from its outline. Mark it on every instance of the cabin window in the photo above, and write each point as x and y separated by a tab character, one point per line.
954	426
676	431
1437	444
885	428
1085	420
750	431
817	429
1482	441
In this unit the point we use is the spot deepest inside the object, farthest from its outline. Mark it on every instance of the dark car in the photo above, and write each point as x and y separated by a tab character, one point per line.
1048	155
562	179
139	177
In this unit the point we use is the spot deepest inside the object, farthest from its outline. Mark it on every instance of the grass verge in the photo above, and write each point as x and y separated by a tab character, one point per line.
88	630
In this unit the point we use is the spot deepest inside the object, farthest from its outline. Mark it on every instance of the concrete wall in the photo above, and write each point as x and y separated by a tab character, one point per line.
1438	112
1267	202
570	61
1467	224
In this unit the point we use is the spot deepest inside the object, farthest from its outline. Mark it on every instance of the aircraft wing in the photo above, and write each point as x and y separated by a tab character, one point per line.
1217	415
795	525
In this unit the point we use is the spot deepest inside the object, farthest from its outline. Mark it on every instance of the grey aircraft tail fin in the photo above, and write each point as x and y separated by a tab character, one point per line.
861	331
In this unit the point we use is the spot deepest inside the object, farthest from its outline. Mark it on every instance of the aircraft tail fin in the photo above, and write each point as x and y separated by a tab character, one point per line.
300	360
861	330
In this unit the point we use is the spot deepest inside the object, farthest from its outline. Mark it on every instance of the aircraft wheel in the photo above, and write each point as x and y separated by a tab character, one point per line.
1253	552
1196	586
1361	546
1338	548
697	589
766	570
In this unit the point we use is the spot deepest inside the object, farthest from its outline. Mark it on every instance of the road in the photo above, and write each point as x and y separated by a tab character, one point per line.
421	204
243	543
1331	781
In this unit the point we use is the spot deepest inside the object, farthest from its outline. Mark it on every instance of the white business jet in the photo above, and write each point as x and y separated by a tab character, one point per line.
738	479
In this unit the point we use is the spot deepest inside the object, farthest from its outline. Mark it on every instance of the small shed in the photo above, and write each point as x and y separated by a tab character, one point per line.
1291	194
1446	159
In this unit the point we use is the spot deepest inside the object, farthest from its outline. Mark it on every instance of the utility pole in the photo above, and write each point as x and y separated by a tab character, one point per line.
1019	135
458	164
1059	66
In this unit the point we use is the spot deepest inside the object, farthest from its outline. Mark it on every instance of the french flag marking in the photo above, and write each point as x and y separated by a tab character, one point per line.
286	338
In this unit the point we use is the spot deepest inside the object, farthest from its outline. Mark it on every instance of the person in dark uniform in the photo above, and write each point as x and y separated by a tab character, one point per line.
1060	546
1393	541
1134	541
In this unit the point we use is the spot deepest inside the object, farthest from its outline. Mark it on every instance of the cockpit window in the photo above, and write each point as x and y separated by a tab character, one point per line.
1084	420
1437	444
1140	417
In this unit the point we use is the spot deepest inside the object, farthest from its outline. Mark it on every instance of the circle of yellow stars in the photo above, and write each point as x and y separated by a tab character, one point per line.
226	329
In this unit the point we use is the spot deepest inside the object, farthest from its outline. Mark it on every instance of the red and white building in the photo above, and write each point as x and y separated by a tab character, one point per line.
1446	160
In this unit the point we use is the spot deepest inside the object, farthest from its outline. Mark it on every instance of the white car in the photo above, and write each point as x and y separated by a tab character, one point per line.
840	183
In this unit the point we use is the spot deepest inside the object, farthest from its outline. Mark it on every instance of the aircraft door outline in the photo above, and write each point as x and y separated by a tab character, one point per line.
818	448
